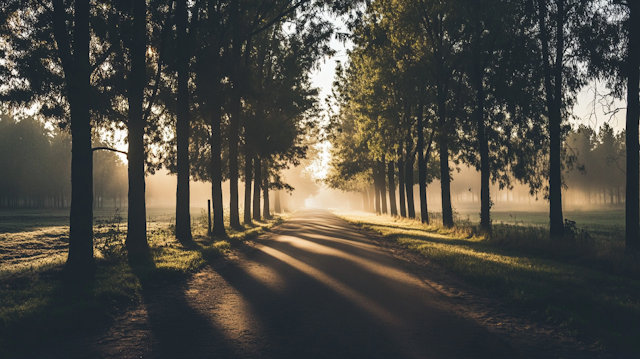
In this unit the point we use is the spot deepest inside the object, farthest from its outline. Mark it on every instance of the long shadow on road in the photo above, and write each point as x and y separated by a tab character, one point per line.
315	288
319	289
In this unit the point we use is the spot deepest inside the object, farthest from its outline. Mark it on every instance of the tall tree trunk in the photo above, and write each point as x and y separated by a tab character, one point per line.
485	197
235	108
265	210
554	98
422	169
392	188
136	242
445	178
234	123
278	207
183	217
401	172
248	178
216	164
555	134
632	216
80	261
411	207
383	185
257	185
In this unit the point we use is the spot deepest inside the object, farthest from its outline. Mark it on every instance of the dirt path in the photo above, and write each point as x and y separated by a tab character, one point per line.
314	288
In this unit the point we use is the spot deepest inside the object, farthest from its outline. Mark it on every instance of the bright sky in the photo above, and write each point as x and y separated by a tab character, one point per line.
323	79
596	116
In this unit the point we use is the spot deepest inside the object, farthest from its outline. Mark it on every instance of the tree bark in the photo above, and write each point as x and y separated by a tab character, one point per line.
411	207
485	197
401	180
422	169
136	242
632	216
383	185
216	164
376	188
234	123
257	185
235	107
183	217
265	210
392	189
80	261
445	178
371	193
554	98
248	178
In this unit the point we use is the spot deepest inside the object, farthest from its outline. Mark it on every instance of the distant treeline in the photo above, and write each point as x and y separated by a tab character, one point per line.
36	168
598	165
594	172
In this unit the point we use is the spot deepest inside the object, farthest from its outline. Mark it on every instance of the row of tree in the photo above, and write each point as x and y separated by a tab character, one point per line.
206	88
35	163
489	83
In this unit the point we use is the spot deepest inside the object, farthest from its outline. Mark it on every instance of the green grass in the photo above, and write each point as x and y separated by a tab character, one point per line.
560	288
38	305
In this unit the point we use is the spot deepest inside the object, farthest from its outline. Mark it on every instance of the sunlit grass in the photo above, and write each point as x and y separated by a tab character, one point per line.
36	304
572	296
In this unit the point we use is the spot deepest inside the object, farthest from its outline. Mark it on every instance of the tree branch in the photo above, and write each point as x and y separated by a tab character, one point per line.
110	149
279	17
102	59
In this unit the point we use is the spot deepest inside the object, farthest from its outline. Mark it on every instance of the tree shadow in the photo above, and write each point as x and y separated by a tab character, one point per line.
333	307
176	328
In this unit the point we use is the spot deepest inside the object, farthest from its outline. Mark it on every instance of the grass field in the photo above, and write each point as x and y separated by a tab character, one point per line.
38	305
605	223
560	283
32	238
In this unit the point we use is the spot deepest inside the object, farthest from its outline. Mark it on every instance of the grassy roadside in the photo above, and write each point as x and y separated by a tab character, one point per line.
36	307
574	297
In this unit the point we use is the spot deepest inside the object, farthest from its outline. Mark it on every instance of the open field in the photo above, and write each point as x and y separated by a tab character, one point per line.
608	216
606	223
36	237
572	292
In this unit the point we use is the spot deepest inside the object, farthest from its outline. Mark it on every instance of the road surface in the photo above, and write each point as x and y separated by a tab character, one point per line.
314	288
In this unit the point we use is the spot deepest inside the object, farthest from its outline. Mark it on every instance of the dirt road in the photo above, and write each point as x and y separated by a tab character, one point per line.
314	288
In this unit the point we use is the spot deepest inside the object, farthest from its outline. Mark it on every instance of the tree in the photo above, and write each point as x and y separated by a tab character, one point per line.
562	79
632	209
609	45
442	31
183	218
136	242
61	74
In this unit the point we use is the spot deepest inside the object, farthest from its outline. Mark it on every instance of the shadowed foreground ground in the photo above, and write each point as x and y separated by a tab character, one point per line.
315	288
